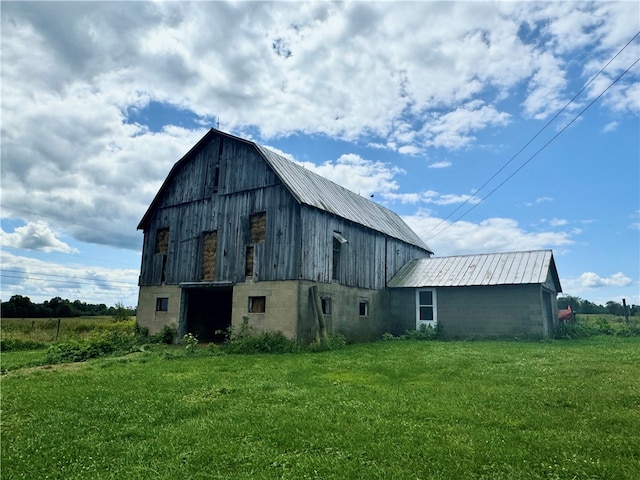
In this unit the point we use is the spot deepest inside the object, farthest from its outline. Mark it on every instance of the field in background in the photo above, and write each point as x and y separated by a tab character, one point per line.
45	330
397	409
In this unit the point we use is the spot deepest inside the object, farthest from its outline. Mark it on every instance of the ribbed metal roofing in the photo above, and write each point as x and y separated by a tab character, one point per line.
310	189
514	268
314	190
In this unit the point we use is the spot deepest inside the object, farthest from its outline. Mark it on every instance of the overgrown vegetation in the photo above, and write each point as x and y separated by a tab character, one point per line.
425	332
598	324
583	306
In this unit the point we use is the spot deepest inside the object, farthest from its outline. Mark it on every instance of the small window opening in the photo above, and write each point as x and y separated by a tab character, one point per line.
162	247
326	306
162	304
337	246
257	304
162	241
216	178
257	227
364	308
248	265
209	255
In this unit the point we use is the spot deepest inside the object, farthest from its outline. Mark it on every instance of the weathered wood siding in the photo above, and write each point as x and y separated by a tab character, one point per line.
227	187
192	205
367	260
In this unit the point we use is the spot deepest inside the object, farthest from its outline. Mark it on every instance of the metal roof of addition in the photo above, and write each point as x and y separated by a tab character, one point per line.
513	268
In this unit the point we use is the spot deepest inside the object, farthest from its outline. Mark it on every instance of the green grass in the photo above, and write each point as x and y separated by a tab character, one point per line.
389	410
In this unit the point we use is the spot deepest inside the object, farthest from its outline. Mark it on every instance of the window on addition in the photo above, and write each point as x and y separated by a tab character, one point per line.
364	308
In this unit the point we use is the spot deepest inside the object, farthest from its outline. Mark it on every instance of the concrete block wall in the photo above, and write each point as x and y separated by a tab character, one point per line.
147	315
345	318
281	308
508	310
402	310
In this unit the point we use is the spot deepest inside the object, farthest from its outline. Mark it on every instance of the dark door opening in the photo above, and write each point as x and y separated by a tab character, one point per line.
209	313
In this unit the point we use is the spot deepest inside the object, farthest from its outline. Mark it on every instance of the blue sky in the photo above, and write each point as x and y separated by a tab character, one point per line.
419	104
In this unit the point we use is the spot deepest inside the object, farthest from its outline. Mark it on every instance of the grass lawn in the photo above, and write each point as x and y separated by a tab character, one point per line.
389	410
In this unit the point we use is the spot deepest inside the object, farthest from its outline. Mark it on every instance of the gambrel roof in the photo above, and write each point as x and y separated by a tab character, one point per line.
513	268
311	189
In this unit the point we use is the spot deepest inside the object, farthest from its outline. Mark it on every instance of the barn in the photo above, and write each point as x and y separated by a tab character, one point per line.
238	233
499	294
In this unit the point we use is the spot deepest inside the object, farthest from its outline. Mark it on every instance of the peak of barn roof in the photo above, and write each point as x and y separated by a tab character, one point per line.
314	190
511	268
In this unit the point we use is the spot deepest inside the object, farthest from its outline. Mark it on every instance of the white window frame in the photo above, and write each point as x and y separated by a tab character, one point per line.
434	304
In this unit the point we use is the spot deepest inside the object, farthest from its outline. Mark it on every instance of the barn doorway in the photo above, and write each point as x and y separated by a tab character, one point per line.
208	313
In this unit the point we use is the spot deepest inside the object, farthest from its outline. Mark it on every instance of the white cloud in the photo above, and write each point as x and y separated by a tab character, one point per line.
35	236
611	127
590	280
539	200
442	164
364	177
488	236
557	222
351	70
454	130
34	278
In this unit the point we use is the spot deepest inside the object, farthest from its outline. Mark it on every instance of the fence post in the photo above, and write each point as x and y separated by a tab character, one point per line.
58	329
626	312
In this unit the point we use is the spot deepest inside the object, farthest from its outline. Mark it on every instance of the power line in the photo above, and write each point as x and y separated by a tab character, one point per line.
99	283
475	194
31	274
540	149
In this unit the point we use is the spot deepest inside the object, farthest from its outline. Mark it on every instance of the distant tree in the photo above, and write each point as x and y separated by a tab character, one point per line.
615	308
121	313
564	302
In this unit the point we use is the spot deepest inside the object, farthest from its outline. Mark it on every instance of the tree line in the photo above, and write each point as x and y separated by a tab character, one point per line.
580	305
22	307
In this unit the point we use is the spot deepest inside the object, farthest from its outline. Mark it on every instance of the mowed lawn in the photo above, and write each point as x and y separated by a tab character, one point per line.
388	410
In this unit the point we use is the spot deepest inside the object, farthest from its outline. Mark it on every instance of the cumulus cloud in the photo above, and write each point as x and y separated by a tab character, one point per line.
487	236
362	176
94	284
590	280
368	177
35	236
356	71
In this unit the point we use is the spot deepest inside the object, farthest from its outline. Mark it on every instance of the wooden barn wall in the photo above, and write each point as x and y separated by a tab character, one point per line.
368	260
246	185
398	254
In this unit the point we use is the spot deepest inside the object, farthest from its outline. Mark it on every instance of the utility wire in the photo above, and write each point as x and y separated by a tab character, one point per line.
21	274
540	149
475	194
103	283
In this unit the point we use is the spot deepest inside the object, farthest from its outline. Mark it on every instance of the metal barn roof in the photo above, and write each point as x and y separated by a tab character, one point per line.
514	268
311	189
